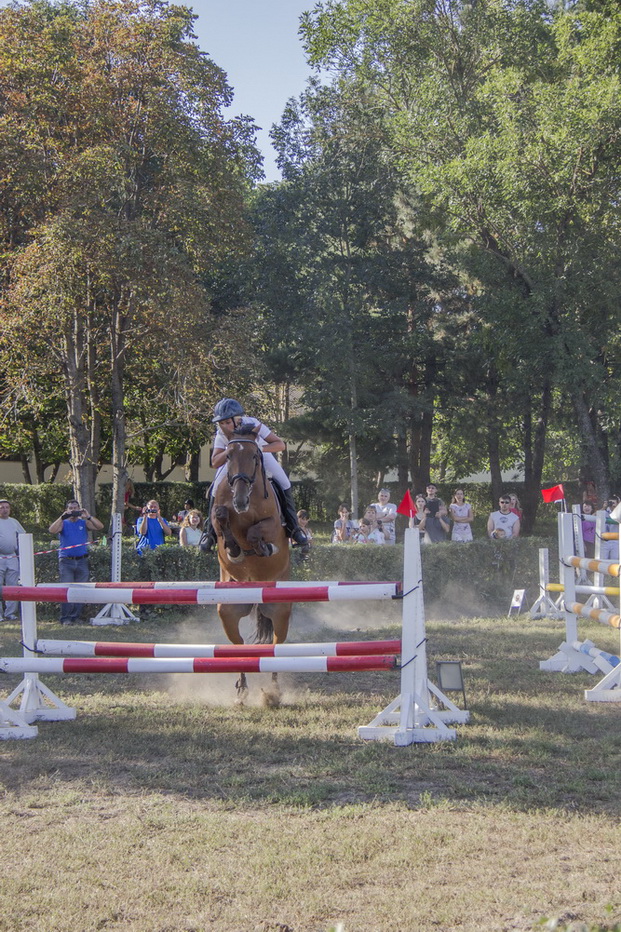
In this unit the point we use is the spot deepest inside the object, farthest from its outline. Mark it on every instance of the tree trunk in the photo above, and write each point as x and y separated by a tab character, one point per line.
599	472
535	447
117	393
80	438
402	465
192	463
493	451
25	468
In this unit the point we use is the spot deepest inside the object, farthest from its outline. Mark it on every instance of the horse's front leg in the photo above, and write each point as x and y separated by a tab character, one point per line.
222	524
256	535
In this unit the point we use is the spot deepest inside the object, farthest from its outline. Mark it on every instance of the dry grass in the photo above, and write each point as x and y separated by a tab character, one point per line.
165	809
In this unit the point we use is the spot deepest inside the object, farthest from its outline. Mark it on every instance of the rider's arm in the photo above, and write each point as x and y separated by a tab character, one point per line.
273	444
218	457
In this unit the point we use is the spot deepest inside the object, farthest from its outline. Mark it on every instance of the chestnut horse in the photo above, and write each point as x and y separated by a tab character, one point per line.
252	543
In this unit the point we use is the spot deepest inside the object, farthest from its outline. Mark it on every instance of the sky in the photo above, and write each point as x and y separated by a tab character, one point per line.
256	43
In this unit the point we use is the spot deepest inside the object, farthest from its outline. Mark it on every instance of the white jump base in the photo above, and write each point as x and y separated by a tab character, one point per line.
573	655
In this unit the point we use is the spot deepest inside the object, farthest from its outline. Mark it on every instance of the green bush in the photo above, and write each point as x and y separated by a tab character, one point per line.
485	571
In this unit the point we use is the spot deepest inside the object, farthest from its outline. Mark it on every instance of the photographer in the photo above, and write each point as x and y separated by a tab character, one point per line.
151	528
72	528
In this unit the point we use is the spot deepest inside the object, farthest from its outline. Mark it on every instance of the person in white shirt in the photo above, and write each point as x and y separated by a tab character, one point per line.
386	514
503	523
9	562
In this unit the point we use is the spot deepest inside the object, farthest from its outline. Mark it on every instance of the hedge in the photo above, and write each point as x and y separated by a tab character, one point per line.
482	574
36	506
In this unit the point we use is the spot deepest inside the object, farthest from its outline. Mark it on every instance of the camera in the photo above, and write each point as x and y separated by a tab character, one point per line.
432	506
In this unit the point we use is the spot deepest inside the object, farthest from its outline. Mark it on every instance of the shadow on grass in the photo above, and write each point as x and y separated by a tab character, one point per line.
533	742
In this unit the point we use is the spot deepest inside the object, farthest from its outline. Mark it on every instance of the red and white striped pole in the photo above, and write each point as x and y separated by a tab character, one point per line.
195	664
198	596
120	649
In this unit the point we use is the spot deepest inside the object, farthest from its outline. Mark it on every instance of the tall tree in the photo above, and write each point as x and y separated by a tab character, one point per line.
143	185
507	117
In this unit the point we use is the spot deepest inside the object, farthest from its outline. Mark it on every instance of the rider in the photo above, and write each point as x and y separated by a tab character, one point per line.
228	415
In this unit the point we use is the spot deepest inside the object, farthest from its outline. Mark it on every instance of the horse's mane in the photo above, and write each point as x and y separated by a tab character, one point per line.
244	430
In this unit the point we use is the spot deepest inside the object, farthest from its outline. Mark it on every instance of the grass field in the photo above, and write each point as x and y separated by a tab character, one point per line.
164	808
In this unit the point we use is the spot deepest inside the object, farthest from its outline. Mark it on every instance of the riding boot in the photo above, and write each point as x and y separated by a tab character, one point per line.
209	538
294	531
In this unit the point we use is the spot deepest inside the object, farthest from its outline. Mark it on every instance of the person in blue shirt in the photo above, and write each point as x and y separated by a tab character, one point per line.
151	528
73	527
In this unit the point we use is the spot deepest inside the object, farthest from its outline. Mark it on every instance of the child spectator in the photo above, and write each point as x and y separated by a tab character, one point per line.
588	531
367	534
303	519
343	526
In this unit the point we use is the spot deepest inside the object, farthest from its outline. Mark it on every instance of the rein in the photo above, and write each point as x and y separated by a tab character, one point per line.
244	477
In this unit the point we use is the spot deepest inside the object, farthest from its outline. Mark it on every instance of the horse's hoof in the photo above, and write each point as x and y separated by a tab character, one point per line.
271	698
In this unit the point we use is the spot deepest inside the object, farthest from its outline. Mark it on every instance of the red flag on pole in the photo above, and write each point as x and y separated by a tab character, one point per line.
407	506
555	494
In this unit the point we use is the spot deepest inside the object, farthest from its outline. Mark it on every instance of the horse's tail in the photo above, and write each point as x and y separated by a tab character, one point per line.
264	631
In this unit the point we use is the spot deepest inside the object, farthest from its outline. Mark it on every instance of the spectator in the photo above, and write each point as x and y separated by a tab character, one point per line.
432	494
588	530
343	526
188	505
9	560
303	519
191	529
609	549
386	513
73	528
130	491
421	503
151	528
368	534
434	523
504	523
462	516
516	508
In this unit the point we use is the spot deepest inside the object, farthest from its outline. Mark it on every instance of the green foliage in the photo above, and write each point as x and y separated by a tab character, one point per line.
485	573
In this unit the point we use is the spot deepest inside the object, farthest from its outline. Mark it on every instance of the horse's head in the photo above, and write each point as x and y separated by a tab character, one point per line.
244	466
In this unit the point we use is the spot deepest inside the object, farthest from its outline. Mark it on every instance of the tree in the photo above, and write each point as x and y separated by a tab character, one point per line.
506	117
141	186
346	289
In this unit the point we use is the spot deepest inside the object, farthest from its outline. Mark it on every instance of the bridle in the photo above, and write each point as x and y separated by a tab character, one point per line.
244	477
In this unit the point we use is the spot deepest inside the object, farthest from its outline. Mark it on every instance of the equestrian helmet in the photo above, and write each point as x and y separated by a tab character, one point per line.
226	408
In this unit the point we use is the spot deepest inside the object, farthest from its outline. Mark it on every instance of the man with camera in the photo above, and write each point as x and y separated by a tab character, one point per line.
9	561
151	528
73	527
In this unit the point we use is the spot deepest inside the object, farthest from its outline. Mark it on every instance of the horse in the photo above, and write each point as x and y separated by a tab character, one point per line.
252	545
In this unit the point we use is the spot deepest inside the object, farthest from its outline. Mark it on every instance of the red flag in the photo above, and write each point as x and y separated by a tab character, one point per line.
407	506
555	494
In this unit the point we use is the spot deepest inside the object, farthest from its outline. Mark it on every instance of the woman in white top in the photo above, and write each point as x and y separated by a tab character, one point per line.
386	513
191	529
461	515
